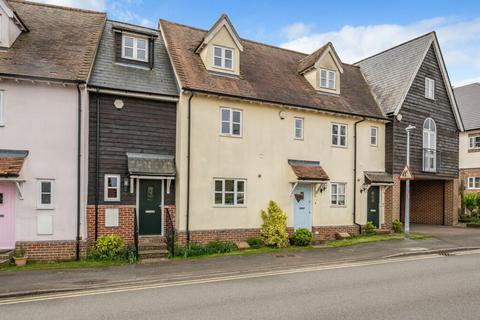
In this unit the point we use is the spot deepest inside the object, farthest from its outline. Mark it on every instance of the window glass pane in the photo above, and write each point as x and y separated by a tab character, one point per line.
335	129
477	142
141	44
334	199
218	185
217	61
343	130
226	127
229	185
341	200
112	181
236	129
241	198
128	52
236	116
240	186
141	54
228	54
335	140
343	141
128	42
229	199
298	133
217	52
225	115
228	64
112	192
46	186
334	188
46	198
218	198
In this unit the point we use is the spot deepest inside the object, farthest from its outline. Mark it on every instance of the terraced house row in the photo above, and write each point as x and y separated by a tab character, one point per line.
112	128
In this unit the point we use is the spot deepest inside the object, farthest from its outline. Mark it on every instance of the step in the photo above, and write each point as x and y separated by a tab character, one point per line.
4	262
146	247
152	260
149	254
151	240
6	255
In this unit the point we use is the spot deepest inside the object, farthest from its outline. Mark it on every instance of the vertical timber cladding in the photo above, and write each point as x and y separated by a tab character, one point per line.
141	126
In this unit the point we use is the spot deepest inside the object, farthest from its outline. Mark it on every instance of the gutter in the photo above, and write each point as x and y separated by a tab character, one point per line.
188	165
79	162
355	175
133	94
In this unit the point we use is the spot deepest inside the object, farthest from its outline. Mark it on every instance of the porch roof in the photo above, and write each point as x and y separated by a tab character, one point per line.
308	170
378	177
151	164
11	162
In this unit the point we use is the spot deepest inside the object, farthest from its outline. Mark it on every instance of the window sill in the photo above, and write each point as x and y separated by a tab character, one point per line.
298	139
230	136
133	59
338	206
230	207
45	208
336	146
221	69
111	200
374	145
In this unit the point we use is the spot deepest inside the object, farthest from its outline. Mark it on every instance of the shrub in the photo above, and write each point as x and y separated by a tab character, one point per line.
302	237
370	228
274	228
108	248
130	254
255	243
397	226
213	247
470	201
19	253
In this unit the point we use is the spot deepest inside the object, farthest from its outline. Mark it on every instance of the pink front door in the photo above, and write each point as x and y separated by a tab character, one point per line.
7	215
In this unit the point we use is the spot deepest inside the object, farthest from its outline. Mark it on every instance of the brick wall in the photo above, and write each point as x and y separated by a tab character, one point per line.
327	233
427	202
125	227
392	202
452	202
48	251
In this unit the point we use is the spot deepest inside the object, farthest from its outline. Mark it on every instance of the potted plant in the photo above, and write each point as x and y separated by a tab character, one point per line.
19	257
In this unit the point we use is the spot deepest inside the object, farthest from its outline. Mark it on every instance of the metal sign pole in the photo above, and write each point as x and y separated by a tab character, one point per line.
407	187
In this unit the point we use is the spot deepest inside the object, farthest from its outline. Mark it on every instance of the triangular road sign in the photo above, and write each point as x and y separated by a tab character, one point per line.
406	173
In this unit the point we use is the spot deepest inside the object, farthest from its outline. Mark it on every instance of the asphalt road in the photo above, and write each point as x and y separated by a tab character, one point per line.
433	287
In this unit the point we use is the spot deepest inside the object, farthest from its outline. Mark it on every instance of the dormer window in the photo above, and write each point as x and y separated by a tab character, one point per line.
327	79
134	48
223	57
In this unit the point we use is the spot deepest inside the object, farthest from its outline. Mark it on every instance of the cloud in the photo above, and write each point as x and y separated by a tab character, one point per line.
99	5
295	30
460	42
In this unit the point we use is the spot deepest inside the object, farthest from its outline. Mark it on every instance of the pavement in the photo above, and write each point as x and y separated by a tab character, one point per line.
18	283
419	287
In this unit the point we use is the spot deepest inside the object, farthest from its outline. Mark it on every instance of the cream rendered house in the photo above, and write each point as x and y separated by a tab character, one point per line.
258	123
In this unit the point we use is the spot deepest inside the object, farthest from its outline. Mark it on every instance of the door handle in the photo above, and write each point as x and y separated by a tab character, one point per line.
149	211
302	208
373	210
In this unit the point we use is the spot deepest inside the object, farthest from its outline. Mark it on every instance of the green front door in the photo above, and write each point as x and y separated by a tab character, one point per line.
373	206
150	207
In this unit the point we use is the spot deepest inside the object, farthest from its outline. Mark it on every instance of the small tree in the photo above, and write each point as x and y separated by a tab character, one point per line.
470	202
274	227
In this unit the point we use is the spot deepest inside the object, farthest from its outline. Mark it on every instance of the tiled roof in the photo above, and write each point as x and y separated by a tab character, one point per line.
151	164
310	60
378	177
267	74
468	101
61	42
11	162
391	72
308	170
106	73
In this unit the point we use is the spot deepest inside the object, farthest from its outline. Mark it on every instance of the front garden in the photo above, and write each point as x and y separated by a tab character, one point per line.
470	212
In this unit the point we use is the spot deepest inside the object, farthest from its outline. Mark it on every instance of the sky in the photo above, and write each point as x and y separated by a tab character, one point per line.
357	29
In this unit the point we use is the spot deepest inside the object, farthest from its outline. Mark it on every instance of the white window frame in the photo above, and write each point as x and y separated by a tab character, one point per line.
222	57
135	47
231	122
339	135
301	128
2	108
472	182
106	198
429	145
429	88
337	194
472	142
330	77
374	136
45	206
235	193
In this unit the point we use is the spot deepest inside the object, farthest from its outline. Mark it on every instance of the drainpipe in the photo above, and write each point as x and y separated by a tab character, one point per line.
188	166
79	161
355	176
97	162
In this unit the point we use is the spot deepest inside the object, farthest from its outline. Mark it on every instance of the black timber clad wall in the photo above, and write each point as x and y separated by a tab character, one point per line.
141	126
415	109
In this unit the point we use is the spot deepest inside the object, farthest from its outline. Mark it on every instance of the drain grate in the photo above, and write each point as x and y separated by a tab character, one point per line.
445	254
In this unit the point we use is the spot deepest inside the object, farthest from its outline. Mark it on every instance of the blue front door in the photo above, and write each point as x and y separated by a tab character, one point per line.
302	206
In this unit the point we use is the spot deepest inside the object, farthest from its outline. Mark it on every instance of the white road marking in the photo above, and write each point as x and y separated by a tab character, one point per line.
132	288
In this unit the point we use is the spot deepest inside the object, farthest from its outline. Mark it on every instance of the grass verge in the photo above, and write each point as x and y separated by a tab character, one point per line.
373	238
64	265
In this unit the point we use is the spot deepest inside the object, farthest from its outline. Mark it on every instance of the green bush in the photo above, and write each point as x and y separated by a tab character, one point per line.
255	243
274	228
213	247
397	226
108	248
302	237
130	254
470	201
370	228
